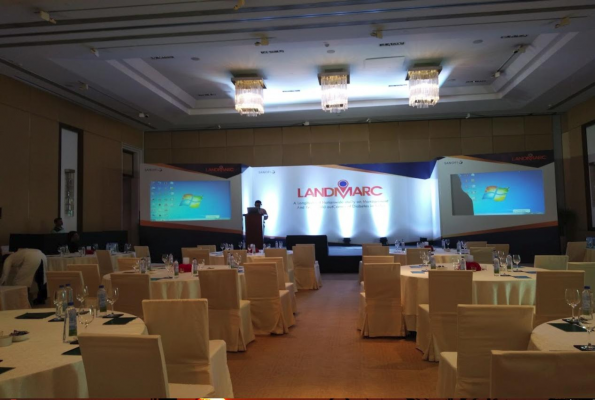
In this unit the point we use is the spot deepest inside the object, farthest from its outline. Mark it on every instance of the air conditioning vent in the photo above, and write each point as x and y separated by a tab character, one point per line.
162	57
397	85
291	91
514	36
391	44
272	51
205	94
477	81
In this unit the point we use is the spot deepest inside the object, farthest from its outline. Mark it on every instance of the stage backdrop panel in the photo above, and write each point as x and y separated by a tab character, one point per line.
362	202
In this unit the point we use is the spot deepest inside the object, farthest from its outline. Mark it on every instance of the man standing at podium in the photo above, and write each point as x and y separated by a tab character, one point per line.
261	210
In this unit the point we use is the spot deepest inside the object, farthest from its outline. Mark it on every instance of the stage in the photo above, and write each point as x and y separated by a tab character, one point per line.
342	259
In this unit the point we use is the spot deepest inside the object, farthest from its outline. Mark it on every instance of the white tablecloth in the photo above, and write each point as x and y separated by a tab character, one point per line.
487	289
217	258
14	298
59	263
40	369
549	338
184	287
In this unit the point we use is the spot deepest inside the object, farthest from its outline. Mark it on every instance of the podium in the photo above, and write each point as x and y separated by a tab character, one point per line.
254	233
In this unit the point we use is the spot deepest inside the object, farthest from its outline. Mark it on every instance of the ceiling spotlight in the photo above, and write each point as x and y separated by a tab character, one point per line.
563	22
334	91
468	116
521	49
83	86
369	120
377	34
95	51
46	17
424	86
249	97
306	123
497	74
263	42
143	115
239	5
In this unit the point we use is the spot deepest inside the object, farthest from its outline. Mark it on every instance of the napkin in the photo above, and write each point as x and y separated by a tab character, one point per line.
521	277
158	279
415	266
4	369
185	267
119	321
56	319
568	327
74	352
112	316
40	315
473	266
580	347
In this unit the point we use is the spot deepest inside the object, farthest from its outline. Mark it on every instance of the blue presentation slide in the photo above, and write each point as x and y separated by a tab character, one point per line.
190	200
498	193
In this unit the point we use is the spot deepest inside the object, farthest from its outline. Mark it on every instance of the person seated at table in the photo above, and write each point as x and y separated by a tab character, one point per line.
73	241
58	225
26	267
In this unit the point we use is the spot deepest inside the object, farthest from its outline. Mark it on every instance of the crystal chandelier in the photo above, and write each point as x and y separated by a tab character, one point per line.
423	87
334	91
249	96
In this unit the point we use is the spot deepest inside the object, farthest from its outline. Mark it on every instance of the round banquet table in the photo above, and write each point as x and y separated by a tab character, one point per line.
546	337
40	368
59	263
487	289
185	286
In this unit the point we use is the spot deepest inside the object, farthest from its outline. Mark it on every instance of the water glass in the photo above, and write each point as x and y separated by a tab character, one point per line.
112	298
572	299
496	266
587	322
82	296
59	300
86	316
516	259
165	258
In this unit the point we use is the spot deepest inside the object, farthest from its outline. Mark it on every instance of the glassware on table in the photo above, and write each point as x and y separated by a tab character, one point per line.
425	258
86	315
573	298
82	296
496	266
502	259
447	243
127	247
112	297
223	247
164	258
516	259
169	267
586	321
59	300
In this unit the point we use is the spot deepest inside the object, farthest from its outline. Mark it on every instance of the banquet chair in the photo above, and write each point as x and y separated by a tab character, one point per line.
307	274
190	357
414	255
500	247
541	374
199	254
576	251
91	278
481	329
127	263
477	244
554	263
377	251
142	251
550	293
367	246
281	276
270	307
57	278
482	255
281	285
242	254
126	366
287	261
212	248
133	289
380	304
437	321
104	259
229	316
588	268
374	260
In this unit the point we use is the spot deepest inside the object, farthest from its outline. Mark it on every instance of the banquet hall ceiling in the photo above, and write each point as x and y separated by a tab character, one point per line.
174	60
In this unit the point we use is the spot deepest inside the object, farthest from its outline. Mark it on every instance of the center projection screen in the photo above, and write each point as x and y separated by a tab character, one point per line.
363	204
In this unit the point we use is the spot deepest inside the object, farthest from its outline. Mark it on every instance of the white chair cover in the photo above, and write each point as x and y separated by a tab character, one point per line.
373	260
307	274
281	277
540	374
576	251
142	251
414	255
550	293
133	289
500	247
91	276
288	265
57	278
589	270
270	307
19	269
376	251
482	329
199	254
437	321
123	366
190	357
382	313
554	263
104	258
366	246
482	255
127	263
476	244
229	317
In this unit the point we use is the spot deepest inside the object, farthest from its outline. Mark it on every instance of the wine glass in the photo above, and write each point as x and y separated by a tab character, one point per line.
59	299
425	258
516	259
572	299
447	243
82	296
222	246
587	322
86	316
201	264
111	299
164	258
502	258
